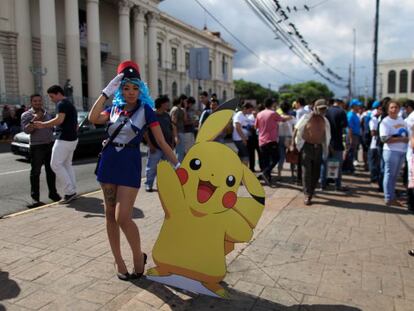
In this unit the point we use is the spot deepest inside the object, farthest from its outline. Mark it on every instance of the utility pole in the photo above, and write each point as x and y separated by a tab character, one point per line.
353	64
374	78
350	83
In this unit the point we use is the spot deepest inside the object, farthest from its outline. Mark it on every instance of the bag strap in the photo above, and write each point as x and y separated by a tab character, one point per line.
118	129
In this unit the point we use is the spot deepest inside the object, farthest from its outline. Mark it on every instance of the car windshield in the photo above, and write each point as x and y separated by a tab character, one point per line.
82	115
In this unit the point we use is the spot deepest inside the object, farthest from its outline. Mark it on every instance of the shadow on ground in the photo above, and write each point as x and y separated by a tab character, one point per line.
238	300
8	288
93	207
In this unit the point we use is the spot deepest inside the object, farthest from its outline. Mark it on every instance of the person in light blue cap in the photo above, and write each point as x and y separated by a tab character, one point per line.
376	104
353	136
373	152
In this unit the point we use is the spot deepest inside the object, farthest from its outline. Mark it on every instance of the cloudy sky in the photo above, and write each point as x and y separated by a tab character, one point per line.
327	27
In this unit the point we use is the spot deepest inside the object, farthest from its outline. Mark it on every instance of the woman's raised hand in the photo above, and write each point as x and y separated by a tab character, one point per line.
112	86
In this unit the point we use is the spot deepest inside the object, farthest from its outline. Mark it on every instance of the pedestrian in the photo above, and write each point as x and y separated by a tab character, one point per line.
41	144
300	112
177	117
253	141
267	125
373	153
66	123
353	136
241	131
155	154
204	103
119	169
393	133
285	136
300	108
312	137
410	158
338	122
189	121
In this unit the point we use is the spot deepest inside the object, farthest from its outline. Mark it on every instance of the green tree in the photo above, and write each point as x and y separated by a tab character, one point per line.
310	90
250	90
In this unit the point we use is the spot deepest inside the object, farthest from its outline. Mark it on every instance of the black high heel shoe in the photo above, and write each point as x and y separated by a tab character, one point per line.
121	276
135	275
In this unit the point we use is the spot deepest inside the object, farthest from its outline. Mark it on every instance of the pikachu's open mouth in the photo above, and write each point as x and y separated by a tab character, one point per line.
205	190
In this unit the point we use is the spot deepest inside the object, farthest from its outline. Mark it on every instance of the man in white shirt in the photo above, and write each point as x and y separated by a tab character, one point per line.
241	131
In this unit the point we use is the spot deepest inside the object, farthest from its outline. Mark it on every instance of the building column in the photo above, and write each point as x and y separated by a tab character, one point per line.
139	40
152	54
124	30
24	47
94	50
72	45
48	43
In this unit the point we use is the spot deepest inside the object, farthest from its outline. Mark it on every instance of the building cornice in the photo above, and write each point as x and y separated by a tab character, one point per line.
200	33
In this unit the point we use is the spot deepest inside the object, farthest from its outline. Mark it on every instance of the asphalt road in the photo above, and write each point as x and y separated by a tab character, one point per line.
15	183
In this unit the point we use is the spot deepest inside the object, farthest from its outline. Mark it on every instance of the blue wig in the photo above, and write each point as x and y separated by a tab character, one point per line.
144	96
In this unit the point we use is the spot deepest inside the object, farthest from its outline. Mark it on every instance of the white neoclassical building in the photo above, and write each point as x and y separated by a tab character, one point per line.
396	78
46	42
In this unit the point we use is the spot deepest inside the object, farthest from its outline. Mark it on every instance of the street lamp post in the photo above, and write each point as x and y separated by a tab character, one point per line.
38	72
374	80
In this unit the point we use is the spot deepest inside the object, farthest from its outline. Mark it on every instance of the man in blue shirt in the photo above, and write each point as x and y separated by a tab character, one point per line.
353	136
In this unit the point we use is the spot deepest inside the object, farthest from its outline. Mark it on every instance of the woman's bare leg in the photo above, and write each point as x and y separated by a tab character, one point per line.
112	228
125	198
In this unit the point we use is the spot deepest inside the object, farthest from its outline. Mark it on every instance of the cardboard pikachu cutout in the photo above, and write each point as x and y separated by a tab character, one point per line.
204	217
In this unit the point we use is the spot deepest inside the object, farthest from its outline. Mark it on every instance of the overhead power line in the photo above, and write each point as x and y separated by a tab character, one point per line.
245	45
272	14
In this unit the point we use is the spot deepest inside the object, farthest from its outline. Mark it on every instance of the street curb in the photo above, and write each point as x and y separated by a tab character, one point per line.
45	206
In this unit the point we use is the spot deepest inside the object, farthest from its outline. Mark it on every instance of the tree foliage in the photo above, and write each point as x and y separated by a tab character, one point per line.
310	90
250	90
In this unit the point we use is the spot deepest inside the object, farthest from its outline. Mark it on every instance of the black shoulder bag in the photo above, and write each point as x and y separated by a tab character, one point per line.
112	137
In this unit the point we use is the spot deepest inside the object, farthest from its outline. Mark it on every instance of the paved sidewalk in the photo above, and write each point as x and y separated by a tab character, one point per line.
345	252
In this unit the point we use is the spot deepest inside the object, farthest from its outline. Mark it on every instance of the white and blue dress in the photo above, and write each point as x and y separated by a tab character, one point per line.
121	165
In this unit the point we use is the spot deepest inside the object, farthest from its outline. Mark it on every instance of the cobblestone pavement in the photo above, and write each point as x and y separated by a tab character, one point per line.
345	252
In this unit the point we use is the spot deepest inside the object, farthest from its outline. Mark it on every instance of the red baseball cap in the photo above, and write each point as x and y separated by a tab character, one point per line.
130	69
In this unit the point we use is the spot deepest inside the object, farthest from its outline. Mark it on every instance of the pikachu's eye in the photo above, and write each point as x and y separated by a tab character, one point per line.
195	164
230	180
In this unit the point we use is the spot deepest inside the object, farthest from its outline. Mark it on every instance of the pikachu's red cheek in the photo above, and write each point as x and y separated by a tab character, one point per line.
229	199
182	175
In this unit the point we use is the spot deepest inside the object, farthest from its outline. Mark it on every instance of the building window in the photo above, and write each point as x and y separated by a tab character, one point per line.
187	60
159	54
224	68
159	87
188	90
174	89
403	81
210	68
412	81
174	58
224	95
391	81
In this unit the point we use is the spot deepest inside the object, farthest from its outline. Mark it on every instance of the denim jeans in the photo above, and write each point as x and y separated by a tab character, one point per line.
374	164
270	157
180	148
337	155
151	168
351	153
393	161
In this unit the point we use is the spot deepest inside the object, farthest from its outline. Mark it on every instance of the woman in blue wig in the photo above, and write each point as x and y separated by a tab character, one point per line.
119	168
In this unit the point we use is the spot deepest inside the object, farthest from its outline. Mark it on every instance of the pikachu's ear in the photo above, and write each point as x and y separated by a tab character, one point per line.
217	121
214	125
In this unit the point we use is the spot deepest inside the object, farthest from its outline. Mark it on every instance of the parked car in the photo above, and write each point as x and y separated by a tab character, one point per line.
90	138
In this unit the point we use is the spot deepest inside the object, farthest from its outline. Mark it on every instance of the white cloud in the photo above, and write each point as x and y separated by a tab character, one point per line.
328	28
